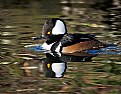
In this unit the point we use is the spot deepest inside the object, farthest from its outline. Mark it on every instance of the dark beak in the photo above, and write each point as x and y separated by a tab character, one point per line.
39	37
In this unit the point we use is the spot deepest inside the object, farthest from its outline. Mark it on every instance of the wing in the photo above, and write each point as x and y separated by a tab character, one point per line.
71	39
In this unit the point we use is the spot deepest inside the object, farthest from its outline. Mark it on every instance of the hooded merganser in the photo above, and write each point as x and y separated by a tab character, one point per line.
58	40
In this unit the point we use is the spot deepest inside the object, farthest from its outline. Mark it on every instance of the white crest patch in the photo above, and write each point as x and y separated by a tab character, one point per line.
59	28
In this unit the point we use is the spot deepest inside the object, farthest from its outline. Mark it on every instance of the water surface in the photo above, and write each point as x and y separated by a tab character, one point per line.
24	70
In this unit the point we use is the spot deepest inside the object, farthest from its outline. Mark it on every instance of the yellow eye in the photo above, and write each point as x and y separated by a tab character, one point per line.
48	65
48	33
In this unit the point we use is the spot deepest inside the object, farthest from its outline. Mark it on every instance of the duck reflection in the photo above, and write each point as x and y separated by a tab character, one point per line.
55	65
52	66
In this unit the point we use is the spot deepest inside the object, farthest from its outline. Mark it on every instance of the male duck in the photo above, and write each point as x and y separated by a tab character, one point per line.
58	40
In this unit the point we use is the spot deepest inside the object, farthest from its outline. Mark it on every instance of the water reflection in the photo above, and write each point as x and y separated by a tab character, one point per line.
112	15
53	67
113	19
55	64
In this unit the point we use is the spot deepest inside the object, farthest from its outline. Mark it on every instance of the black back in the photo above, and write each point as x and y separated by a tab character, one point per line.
70	39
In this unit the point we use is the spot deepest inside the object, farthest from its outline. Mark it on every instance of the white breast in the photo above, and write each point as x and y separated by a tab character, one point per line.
47	46
58	47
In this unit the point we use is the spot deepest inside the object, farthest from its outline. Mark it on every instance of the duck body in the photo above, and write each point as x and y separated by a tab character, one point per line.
58	40
71	43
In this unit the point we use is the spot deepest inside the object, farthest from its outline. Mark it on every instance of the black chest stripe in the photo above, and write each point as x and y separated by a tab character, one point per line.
54	46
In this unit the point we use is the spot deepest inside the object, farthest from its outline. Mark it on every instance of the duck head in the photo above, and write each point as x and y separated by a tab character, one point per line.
54	29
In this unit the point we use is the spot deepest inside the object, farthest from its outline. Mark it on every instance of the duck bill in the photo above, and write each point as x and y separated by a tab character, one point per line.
39	37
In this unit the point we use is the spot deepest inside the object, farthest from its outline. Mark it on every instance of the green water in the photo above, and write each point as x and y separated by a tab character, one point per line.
22	20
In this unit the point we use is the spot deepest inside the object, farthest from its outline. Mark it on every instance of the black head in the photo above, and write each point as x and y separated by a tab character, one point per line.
54	29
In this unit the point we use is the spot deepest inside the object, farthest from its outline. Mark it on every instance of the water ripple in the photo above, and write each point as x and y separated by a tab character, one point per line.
108	50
